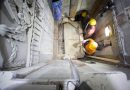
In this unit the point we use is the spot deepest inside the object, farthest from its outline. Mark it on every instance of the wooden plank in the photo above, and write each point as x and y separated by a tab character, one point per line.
105	59
73	7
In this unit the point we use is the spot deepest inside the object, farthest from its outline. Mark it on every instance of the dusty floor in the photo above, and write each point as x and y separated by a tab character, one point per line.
88	67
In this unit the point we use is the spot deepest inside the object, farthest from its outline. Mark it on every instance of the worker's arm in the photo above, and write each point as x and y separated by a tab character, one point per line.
84	41
81	43
90	31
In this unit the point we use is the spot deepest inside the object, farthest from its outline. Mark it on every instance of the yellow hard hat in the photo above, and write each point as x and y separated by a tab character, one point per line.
84	14
91	47
92	44
92	21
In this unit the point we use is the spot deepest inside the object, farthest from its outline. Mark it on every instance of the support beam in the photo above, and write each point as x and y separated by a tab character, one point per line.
73	7
97	6
105	59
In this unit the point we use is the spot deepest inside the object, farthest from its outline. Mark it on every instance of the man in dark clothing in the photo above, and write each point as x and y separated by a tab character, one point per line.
88	24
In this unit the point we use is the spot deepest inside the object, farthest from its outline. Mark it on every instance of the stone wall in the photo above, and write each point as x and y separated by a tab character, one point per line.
123	19
33	24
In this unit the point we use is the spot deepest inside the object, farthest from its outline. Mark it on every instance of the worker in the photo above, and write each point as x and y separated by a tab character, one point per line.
90	46
82	15
57	9
88	24
90	28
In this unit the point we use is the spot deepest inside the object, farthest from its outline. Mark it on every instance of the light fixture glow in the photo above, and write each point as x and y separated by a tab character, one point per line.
107	31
